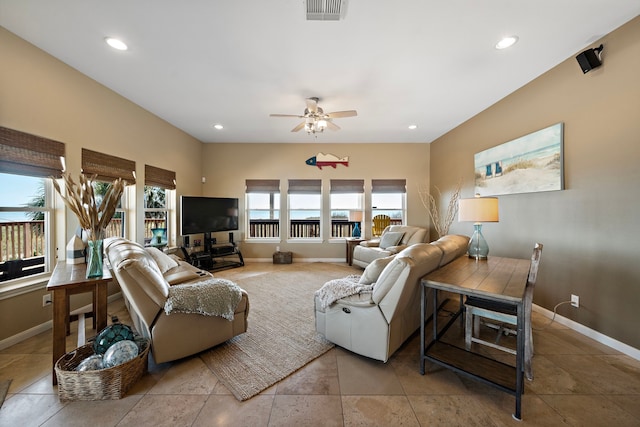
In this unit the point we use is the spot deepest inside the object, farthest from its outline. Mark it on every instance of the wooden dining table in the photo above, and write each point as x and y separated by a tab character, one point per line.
496	279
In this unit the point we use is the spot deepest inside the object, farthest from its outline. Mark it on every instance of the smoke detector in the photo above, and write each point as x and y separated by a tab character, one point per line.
326	10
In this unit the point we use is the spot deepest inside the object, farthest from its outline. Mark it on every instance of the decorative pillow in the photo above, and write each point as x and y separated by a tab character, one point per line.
390	238
164	261
373	270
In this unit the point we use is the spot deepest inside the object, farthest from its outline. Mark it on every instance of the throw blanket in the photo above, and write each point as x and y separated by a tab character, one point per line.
211	297
335	289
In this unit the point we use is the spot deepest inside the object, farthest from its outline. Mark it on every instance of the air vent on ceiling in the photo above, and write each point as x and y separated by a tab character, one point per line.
325	10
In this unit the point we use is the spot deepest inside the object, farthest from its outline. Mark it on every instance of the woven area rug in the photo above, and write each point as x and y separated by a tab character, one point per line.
281	336
4	388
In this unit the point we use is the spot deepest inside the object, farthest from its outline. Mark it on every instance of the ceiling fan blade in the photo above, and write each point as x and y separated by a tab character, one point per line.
299	127
332	126
312	105
286	115
348	113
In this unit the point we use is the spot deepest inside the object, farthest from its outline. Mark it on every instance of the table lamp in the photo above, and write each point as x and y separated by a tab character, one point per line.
356	216
478	210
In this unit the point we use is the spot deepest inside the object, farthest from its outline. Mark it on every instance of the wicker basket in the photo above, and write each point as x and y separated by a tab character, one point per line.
103	384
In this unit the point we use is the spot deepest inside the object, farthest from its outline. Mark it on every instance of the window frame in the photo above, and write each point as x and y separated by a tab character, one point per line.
305	187
263	187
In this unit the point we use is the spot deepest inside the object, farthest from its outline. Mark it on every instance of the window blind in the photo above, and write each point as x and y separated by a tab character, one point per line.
107	167
388	185
347	186
157	177
263	185
25	154
305	186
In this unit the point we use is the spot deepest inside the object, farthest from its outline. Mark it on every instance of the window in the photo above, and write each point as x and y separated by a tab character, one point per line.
115	228
388	197
346	199
107	168
26	244
305	208
263	208
159	197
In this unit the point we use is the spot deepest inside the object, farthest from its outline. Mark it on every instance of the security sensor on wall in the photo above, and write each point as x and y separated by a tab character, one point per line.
590	59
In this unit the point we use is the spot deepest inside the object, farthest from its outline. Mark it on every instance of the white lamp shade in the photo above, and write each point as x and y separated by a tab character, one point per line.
355	216
478	209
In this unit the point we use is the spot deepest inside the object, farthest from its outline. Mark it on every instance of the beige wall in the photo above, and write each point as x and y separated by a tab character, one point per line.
227	166
43	96
590	230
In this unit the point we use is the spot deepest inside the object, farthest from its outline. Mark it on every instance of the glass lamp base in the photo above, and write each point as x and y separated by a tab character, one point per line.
356	230
478	247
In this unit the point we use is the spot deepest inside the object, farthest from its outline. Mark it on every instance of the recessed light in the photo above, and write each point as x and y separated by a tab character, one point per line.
218	126
506	42
116	44
412	127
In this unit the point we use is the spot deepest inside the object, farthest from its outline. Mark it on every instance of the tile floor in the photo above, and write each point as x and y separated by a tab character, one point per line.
578	382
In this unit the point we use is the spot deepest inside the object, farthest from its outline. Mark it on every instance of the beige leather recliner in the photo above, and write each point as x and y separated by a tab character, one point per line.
370	250
376	324
145	288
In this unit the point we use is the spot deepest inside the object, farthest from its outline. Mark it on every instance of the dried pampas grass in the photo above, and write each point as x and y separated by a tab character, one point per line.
80	198
440	224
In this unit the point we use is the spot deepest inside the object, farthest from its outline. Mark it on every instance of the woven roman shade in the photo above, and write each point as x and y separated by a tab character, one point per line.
388	185
157	177
25	154
263	185
305	186
107	167
347	186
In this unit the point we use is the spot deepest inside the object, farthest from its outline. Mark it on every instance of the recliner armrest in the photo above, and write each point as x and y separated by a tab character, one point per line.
373	243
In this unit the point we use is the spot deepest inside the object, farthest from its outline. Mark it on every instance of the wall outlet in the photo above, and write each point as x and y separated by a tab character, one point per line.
46	300
575	301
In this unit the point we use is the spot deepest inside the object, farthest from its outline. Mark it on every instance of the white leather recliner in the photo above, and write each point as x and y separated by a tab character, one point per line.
394	238
376	324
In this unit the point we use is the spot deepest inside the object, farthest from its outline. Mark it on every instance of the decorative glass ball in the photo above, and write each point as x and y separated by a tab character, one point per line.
91	363
111	335
119	353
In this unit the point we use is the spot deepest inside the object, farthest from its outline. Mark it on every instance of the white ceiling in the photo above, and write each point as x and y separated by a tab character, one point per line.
431	63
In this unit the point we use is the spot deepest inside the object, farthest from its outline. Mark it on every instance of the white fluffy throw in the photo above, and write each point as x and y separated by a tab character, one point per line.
335	289
210	297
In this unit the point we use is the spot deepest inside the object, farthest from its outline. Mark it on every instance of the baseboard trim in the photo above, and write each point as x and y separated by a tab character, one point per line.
588	332
297	260
43	327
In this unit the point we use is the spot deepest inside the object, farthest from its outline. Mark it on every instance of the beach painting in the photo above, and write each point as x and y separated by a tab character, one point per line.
527	164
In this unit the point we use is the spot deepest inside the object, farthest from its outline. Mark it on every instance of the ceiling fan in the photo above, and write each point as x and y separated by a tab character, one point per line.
315	119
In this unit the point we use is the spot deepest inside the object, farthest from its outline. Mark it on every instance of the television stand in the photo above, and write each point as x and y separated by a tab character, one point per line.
215	258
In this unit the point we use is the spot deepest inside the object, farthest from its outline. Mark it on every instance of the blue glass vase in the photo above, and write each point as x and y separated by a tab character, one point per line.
356	230
94	258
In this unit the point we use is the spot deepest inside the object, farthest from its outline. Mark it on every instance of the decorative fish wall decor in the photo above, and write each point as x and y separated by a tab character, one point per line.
320	160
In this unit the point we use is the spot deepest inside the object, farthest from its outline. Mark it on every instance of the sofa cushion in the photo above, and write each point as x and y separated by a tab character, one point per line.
452	246
164	261
147	276
373	270
390	238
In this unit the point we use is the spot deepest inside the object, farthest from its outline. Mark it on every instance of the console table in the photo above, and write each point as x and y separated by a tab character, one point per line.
496	279
352	242
66	280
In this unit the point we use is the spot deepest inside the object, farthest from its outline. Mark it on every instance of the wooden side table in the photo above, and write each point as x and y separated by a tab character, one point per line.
351	244
69	279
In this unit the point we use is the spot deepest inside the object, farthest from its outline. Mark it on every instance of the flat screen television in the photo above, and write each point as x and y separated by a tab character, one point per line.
208	214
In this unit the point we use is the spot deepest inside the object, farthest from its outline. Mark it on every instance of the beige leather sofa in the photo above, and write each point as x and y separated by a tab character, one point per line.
376	324
393	239
145	281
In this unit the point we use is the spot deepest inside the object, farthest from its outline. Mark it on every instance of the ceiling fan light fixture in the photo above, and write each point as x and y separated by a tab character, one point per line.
116	43
322	123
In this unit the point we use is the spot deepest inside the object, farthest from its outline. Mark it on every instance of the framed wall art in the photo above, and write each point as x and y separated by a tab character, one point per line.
528	164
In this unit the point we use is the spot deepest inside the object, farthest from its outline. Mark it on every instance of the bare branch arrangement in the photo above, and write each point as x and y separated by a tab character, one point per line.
80	198
430	203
